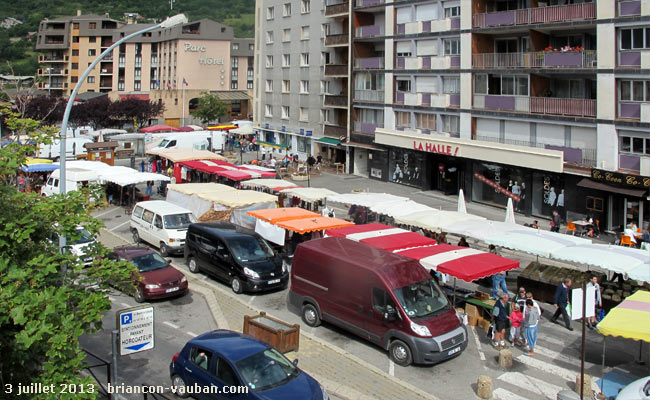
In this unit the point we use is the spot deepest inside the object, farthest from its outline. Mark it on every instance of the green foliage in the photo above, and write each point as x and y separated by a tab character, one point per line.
47	299
210	108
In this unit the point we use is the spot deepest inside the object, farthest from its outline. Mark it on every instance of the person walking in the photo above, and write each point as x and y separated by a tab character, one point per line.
463	242
531	319
516	317
520	298
593	320
499	282
555	222
561	302
149	190
500	316
529	296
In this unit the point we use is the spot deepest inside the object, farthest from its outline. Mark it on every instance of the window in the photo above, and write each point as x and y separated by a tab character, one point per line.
304	33
199	357
75	53
368	81
249	85
226	374
138	73
270	12
304	60
302	144
92	25
325	115
91	79
75	25
137	85
269	37
234	62
324	87
285	112
147	216
251	47
635	38
269	61
451	84
286	86
75	39
268	110
305	6
92	39
637	145
325	57
74	66
501	85
92	52
235	46
381	301
451	12
304	87
451	124
403	119
233	84
286	60
286	35
286	10
304	114
634	90
403	85
451	46
269	85
325	29
425	121
594	203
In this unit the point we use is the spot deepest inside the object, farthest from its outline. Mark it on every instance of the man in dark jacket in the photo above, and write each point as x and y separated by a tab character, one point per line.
561	301
500	315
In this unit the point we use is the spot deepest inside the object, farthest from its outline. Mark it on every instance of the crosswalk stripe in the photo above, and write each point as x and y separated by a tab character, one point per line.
547	367
503	394
531	384
556	356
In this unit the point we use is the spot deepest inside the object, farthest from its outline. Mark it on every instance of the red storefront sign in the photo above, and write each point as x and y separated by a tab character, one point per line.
436	148
496	186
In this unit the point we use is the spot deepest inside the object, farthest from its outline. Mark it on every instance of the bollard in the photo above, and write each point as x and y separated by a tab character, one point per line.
587	392
568	395
484	387
505	358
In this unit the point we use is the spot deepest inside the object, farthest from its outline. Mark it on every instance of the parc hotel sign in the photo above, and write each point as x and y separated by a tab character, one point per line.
620	179
203	59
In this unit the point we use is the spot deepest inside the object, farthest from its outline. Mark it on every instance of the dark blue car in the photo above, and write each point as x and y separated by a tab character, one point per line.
230	365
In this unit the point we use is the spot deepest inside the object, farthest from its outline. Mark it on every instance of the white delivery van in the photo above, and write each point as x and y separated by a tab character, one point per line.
73	147
75	178
161	224
241	122
201	140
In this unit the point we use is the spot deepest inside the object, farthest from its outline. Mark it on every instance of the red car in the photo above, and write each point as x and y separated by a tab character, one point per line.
159	279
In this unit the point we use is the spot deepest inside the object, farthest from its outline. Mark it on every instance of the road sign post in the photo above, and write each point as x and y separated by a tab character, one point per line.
114	345
136	329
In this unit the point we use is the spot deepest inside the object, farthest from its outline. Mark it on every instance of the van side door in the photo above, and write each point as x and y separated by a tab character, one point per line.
222	259
158	234
147	226
382	316
204	253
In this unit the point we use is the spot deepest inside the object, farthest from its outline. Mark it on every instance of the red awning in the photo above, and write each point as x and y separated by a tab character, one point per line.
460	262
159	128
186	129
263	174
217	168
399	241
348	230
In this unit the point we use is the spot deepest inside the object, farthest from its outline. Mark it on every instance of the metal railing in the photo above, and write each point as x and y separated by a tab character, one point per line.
588	155
538	15
334	131
335	101
369	63
337	9
539	59
336	69
537	105
369	95
103	364
337	39
368	3
368	31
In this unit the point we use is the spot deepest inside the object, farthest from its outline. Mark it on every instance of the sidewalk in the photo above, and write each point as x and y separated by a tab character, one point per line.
343	375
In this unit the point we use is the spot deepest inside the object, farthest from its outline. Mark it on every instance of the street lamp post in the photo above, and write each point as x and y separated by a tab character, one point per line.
168	23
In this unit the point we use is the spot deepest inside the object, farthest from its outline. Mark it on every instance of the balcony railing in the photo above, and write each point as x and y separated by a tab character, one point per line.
428	62
437	25
634	58
538	15
366	127
634	110
52	72
368	3
341	39
46	59
537	105
540	59
337	9
334	131
629	7
442	100
369	95
369	63
335	101
369	31
572	155
336	70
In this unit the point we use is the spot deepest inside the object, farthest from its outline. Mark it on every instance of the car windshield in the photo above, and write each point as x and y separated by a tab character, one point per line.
163	143
82	236
149	262
178	221
421	299
250	248
266	370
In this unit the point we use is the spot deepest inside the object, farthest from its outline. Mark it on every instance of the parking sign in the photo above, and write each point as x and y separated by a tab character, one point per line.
136	329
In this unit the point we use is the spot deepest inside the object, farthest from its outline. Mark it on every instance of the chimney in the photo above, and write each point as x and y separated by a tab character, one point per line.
78	13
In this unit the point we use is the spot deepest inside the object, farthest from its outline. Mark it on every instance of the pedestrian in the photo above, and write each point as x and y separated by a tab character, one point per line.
273	162
442	238
555	222
463	242
531	318
529	296
499	282
159	166
593	320
170	171
311	161
515	317
149	190
534	225
142	166
493	249
296	160
319	159
561	302
500	316
520	298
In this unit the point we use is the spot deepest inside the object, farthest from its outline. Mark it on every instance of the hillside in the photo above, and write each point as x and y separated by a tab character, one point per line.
239	14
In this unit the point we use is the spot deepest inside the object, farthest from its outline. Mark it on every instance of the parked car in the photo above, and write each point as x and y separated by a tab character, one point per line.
637	390
386	298
161	224
78	243
235	255
226	358
159	279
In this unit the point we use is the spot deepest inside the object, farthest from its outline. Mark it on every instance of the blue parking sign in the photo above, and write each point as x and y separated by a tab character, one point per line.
127	318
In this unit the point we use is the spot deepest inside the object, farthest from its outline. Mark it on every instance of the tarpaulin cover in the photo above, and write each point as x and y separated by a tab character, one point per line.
39	167
159	128
435	220
30	161
399	208
268	183
536	241
399	241
364	199
634	263
258	172
312	224
256	167
349	230
270	232
238	198
460	262
308	194
191	188
221	127
177	155
274	215
124	179
630	319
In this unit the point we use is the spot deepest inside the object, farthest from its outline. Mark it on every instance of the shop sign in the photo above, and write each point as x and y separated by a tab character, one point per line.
436	148
620	179
497	187
375	173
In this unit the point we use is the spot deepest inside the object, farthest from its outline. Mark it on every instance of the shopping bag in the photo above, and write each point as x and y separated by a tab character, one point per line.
490	331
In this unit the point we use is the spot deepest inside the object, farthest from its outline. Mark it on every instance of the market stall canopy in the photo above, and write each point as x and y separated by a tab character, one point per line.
268	183
194	188
186	129
159	128
220	168
244	130
131	179
480	230
354	229
435	220
308	194
258	172
195	127
535	241
460	262
307	225
38	165
630	319
238	198
632	262
364	199
398	241
399	208
177	155
87	165
226	127
274	215
257	167
30	161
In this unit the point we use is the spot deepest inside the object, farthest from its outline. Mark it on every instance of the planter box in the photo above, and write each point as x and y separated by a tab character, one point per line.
279	334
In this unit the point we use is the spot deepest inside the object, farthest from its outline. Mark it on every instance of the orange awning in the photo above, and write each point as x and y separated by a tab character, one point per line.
319	223
274	215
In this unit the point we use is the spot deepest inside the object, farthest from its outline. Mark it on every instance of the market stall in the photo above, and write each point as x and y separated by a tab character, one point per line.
221	171
435	220
357	206
309	198
400	208
159	128
177	155
267	185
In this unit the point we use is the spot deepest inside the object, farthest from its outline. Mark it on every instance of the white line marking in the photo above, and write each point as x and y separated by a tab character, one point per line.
391	368
478	344
531	384
119	226
191	333
125	305
107	212
561	357
547	367
170	324
553	340
250	301
502	394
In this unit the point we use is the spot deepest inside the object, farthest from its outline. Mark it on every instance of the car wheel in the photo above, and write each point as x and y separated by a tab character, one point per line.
310	315
192	265
235	285
138	296
400	353
136	236
179	384
164	250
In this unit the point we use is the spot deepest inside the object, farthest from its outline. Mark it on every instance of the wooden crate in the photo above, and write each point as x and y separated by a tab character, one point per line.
279	334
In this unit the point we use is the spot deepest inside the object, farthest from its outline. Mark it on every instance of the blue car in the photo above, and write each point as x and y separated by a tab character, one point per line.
226	364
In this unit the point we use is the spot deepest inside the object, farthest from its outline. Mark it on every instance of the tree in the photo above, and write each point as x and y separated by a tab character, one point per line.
47	298
95	112
132	110
210	108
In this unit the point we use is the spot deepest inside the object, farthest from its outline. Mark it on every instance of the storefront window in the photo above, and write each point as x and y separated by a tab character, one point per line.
302	144
495	184
406	167
548	194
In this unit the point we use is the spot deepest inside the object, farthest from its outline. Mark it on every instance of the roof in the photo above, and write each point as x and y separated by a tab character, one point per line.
229	95
130	251
268	183
627	319
238	198
308	194
101	145
163	207
176	155
232	345
329	140
244	49
86	96
305	225
195	188
274	215
588	183
222	229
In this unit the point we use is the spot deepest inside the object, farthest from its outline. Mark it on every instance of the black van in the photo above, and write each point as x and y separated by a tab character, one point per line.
236	255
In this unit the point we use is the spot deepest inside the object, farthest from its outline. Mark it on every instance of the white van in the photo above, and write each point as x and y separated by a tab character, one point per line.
239	123
73	147
201	140
75	178
161	224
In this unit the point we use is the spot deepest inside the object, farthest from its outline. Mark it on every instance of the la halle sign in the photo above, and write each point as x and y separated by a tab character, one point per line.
446	149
